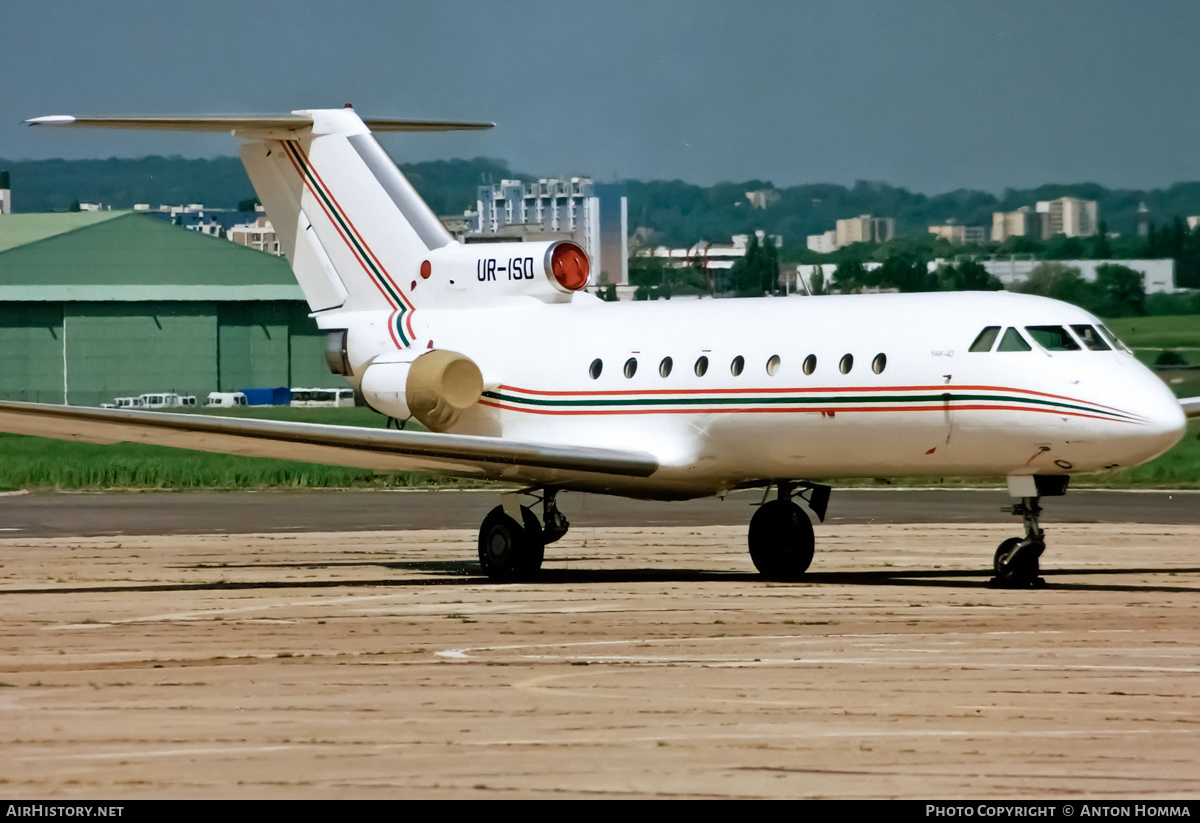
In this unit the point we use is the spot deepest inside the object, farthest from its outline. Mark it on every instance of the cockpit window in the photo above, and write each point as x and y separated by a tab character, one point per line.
1013	341
985	339
1052	338
1113	339
1091	338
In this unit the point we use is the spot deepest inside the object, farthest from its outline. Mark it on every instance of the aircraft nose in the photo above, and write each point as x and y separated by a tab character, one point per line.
1165	422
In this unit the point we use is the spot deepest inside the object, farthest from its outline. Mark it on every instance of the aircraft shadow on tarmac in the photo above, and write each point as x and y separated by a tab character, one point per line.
465	573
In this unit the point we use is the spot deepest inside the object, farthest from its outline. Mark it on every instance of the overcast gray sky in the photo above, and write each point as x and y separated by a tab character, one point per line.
932	95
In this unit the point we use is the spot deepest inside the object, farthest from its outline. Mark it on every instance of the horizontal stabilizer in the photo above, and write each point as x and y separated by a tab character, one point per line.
378	449
1191	406
242	124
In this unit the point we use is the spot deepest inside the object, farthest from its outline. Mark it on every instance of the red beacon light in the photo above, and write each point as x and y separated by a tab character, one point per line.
569	264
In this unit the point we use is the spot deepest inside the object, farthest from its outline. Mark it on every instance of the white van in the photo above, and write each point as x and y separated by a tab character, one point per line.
224	399
128	403
322	398
161	400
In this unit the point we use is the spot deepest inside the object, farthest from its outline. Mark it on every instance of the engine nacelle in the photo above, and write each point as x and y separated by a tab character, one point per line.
555	269
434	386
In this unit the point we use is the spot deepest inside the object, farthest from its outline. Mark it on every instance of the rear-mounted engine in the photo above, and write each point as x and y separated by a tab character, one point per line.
434	386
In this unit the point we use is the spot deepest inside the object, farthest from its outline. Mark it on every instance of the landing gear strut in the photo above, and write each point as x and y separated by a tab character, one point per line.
554	525
1016	560
511	550
781	535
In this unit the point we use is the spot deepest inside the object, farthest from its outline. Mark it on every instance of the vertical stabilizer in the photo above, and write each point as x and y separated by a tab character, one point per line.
355	231
353	228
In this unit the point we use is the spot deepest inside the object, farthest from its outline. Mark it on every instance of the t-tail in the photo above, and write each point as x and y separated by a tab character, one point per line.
357	234
354	229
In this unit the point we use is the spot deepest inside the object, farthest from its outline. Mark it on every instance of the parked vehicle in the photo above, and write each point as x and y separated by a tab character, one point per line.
322	398
224	399
129	403
161	400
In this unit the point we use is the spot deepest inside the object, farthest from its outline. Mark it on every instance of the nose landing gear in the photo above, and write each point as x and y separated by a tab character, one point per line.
1016	560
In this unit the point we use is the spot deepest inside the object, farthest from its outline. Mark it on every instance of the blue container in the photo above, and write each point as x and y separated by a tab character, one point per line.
281	396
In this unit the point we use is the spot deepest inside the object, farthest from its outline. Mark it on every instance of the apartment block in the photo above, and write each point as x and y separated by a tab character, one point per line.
960	235
864	229
1070	216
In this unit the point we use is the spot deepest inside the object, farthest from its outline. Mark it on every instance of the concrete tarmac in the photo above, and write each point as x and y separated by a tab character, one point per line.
111	513
649	661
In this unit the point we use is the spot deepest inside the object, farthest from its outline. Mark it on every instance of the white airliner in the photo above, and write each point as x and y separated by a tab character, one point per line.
522	376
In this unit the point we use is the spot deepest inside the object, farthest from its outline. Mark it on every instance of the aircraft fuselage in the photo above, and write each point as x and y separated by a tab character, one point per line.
729	393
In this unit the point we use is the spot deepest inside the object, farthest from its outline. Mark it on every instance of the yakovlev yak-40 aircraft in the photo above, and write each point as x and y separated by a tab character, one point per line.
520	375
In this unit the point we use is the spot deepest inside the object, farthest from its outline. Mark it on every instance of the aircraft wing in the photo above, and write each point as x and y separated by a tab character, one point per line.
489	458
1191	406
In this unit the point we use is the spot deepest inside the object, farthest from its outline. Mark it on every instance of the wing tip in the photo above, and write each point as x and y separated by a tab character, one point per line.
50	120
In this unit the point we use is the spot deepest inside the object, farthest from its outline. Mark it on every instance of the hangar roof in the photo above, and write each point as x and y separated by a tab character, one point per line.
22	229
125	255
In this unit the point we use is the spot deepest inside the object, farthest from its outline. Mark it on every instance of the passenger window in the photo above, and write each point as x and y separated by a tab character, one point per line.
1091	338
1013	341
596	367
879	363
664	368
1052	338
737	365
810	364
631	367
701	366
773	365
846	364
985	339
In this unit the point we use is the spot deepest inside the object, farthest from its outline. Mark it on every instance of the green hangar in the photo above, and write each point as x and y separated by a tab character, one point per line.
100	304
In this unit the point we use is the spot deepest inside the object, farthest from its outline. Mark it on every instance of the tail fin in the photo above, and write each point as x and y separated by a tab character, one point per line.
353	228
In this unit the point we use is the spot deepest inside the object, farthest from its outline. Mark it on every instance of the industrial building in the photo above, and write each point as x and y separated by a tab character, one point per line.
1158	276
95	305
594	215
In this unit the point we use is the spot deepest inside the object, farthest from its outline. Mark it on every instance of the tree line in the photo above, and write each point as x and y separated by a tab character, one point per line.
448	186
679	214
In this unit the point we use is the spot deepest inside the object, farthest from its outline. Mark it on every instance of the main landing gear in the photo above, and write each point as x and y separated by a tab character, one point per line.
781	535
512	550
1016	560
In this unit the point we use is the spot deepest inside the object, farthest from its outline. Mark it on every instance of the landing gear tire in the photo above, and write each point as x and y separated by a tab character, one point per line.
509	550
781	540
1016	564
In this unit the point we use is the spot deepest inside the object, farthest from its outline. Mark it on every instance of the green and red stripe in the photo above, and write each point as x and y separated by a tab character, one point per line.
401	318
798	400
